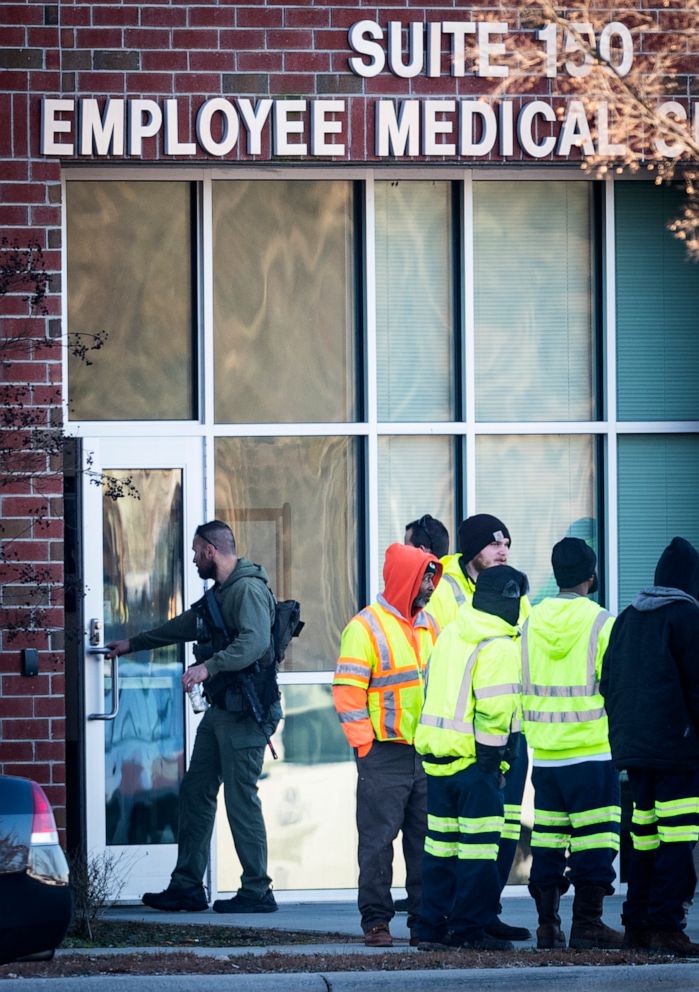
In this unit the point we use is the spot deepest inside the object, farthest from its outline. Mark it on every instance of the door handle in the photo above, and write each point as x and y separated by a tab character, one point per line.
115	687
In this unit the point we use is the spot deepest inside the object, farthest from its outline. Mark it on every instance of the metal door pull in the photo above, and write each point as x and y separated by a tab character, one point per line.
115	687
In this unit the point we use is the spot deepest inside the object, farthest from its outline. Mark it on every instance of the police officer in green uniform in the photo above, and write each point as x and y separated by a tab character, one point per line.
229	744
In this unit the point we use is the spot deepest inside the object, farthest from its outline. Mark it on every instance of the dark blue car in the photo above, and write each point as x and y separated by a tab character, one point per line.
35	897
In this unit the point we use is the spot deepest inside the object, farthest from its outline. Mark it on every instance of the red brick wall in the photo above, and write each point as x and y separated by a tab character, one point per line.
185	50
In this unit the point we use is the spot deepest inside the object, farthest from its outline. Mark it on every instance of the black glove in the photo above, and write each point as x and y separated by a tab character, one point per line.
488	758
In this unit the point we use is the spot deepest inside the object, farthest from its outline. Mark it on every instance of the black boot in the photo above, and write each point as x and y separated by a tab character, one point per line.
588	930
549	935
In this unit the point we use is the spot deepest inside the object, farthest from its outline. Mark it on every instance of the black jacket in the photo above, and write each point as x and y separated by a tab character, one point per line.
650	673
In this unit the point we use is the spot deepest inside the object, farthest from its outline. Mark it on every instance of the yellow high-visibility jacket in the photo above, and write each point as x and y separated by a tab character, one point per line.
563	643
472	694
378	685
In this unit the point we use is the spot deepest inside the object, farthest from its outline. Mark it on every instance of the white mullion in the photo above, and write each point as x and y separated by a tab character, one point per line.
469	349
206	352
372	487
611	475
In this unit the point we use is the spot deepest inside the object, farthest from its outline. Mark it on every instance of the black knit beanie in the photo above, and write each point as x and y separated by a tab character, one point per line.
477	532
573	561
678	567
499	590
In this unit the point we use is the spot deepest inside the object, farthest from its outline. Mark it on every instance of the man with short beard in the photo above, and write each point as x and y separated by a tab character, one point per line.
229	745
484	541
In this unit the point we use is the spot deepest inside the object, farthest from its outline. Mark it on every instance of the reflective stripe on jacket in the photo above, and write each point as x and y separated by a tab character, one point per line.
472	693
563	644
384	658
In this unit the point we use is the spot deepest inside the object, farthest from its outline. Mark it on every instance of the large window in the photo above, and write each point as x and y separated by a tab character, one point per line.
535	350
130	285
544	489
657	308
414	287
416	476
284	302
658	500
354	350
293	506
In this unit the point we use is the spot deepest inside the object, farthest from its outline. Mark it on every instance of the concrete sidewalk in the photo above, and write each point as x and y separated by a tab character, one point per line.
343	918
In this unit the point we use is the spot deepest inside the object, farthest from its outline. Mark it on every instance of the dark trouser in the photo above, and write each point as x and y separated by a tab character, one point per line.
461	886
391	797
514	790
576	810
664	830
221	755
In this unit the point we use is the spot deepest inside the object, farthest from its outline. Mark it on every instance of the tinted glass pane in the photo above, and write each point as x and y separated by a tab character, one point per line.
657	308
130	276
143	575
543	489
533	302
658	487
416	476
292	504
284	328
414	301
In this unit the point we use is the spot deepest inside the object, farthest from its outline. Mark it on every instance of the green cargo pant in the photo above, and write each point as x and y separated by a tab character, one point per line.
229	749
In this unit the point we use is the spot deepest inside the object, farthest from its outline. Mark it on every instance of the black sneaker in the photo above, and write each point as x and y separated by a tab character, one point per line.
241	903
503	931
176	900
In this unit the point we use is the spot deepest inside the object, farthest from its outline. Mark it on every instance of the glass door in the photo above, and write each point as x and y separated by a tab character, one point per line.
143	498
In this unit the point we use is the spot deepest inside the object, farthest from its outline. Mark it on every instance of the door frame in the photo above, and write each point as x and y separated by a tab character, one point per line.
145	867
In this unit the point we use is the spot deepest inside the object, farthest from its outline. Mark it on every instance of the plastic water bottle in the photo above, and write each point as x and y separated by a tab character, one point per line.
197	698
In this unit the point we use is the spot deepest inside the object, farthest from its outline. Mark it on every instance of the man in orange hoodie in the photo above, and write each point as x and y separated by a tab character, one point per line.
378	692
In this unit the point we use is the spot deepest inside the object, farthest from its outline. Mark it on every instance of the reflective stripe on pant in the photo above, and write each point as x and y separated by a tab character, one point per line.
664	829
576	810
460	882
391	797
220	756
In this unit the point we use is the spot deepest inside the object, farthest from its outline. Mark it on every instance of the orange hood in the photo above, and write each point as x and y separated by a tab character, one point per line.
403	571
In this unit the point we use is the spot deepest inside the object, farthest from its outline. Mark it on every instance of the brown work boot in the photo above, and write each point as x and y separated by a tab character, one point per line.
672	942
550	937
588	931
378	936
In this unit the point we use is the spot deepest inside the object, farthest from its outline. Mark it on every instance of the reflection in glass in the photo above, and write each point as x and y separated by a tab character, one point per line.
130	275
414	301
416	476
533	304
658	486
543	488
308	799
293	505
284	326
143	576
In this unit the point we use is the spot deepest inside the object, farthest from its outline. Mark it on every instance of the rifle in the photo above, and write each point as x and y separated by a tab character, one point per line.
247	687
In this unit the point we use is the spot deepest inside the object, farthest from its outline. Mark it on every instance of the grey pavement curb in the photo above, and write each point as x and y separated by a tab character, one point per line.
677	977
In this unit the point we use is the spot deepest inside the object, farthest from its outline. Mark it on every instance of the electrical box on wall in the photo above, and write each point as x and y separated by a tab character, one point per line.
30	661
